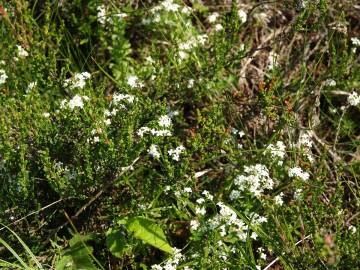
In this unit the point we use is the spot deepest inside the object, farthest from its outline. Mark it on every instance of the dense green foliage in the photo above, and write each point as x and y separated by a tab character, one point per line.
179	134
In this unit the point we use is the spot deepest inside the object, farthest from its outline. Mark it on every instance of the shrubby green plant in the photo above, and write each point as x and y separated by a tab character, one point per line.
179	134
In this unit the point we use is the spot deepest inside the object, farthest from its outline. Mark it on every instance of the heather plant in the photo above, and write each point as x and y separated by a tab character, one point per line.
179	134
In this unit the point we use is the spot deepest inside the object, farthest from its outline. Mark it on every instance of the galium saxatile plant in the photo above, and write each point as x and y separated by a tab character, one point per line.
180	134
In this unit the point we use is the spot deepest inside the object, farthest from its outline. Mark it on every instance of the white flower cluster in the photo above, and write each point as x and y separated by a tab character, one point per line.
330	82
95	133
101	15
279	199
120	97
298	172
133	81
158	133
272	60
227	222
116	101
164	121
355	41
193	42
169	5
353	99
305	140
172	263
3	76
30	87
154	151
103	18
305	143
352	229
213	17
261	252
255	180
200	210
277	151
77	81
242	16
76	102
218	27
175	153
22	53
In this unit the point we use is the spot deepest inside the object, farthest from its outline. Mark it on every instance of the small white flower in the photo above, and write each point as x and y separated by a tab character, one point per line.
31	86
164	121
120	97
3	76
142	131
200	211
107	122
161	132
187	190
169	5
149	59
76	101
96	139
175	153
183	55
186	10
352	229
330	82
101	14
190	83
273	60
279	199
218	27
355	41
242	15
22	53
353	99
194	225
107	113
153	151
121	15
200	201
132	81
213	17
78	80
46	114
297	194
253	235
263	256
234	195
277	151
305	140
298	172
207	195
202	39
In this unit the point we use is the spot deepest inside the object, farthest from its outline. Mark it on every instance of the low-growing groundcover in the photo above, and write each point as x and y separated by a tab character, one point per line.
179	134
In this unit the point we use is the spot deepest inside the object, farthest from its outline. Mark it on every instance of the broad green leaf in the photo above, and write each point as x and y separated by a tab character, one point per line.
116	242
77	256
149	232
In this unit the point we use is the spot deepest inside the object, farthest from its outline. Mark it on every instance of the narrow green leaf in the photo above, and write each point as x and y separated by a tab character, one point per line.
13	252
